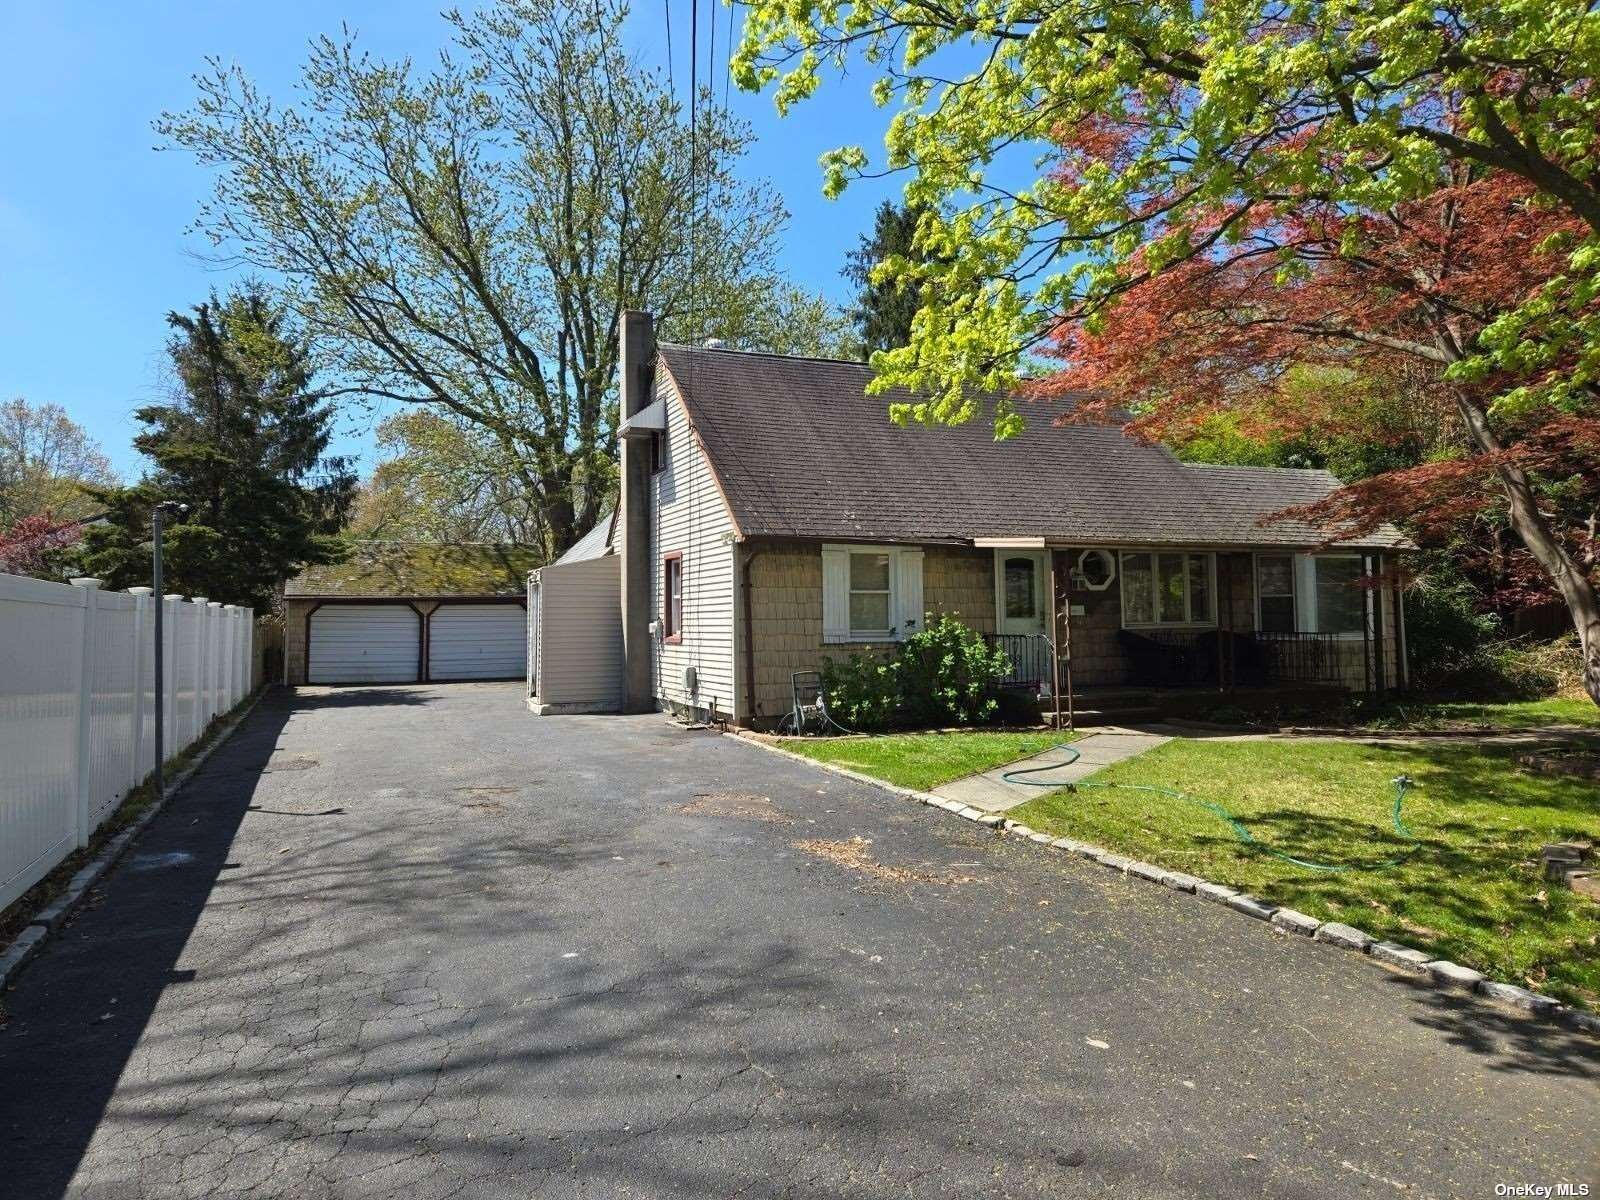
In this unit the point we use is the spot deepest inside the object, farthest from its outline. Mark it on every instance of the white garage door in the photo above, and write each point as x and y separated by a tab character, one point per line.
477	641
364	643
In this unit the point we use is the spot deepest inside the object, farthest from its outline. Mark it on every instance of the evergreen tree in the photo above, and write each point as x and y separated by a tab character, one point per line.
882	311
241	443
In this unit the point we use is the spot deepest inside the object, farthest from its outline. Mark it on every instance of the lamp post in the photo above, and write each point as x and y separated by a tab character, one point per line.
157	514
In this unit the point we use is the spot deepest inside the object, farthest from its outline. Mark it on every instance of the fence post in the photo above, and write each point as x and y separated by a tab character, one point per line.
169	653
141	604
196	726
89	588
230	659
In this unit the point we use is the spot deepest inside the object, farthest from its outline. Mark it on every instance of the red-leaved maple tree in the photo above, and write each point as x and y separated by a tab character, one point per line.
1385	296
31	546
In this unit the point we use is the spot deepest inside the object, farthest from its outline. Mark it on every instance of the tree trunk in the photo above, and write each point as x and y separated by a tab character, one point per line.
1569	577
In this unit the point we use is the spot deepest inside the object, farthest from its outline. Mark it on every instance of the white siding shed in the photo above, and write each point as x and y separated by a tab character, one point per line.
575	637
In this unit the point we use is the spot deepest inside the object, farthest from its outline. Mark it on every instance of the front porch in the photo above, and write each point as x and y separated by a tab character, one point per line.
1197	619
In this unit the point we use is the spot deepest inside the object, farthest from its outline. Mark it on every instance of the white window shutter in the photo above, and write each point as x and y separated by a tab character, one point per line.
908	592
835	596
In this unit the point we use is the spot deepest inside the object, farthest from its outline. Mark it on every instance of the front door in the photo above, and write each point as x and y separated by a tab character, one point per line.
1020	588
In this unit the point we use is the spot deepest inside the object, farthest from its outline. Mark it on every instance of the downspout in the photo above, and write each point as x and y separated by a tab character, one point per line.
748	555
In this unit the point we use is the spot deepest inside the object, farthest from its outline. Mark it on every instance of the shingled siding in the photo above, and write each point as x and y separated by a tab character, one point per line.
786	611
690	518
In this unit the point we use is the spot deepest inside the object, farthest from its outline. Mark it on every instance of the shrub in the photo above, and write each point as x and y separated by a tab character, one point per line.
863	692
950	675
1456	649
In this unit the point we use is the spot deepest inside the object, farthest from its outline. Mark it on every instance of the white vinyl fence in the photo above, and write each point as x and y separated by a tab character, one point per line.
77	706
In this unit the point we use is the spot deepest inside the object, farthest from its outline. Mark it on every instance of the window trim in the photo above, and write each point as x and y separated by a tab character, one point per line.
1155	552
671	598
658	451
892	633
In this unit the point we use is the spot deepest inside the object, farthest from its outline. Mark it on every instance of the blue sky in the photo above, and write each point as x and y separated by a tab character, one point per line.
93	219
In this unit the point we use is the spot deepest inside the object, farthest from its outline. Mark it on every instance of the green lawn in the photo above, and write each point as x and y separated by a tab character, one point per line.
1471	892
925	760
1514	714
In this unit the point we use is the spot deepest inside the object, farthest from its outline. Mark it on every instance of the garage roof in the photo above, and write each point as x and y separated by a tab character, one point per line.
410	570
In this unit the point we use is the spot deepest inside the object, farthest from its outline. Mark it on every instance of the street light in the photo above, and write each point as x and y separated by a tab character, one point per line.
156	516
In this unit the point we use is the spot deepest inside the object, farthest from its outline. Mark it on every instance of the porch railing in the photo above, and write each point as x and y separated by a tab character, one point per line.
1212	658
1177	658
1030	658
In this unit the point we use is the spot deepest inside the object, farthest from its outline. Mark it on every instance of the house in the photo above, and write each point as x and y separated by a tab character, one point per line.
409	612
772	516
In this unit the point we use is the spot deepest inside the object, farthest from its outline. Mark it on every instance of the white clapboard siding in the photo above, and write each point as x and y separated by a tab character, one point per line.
477	641
690	517
364	643
578	632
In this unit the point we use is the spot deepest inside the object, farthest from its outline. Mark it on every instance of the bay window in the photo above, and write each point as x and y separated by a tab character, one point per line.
1167	587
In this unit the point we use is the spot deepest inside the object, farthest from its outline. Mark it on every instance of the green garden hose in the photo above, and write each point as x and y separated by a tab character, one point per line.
1402	783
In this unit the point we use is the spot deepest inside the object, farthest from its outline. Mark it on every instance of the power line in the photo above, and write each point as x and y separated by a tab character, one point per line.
671	87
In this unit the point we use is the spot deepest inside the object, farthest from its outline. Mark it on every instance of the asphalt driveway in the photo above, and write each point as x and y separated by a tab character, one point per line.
414	942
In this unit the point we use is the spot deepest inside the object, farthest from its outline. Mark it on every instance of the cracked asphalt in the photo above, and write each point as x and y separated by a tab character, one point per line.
414	942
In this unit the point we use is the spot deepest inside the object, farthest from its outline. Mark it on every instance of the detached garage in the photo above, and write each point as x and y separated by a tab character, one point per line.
409	612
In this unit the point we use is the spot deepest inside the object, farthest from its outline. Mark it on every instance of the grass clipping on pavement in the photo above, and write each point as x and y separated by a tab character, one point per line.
1471	890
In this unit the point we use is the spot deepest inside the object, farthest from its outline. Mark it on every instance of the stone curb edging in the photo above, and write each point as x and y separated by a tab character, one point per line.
1440	973
51	917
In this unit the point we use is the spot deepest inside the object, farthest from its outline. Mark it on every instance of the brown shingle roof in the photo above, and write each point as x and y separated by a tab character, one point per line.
801	451
410	569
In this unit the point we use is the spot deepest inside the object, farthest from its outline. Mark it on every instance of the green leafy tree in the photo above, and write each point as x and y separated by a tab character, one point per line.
466	236
443	479
884	306
242	442
46	459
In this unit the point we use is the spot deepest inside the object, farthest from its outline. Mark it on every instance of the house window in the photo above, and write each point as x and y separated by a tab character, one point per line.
871	595
1311	593
1021	588
1275	590
1341	602
1167	587
672	597
658	452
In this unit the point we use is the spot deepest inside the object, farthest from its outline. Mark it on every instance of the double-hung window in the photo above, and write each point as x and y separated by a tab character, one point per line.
1275	592
871	593
1167	587
672	598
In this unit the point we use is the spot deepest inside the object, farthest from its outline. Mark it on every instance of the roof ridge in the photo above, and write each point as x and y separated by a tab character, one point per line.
819	358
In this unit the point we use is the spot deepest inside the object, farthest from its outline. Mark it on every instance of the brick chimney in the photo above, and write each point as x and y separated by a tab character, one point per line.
636	373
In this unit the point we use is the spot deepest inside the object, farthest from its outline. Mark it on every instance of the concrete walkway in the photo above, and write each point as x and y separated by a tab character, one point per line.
1111	744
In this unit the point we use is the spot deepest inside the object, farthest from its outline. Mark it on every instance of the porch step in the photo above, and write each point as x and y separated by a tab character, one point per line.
1106	714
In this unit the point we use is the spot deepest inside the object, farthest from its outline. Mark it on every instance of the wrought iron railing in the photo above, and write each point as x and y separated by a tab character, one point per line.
1213	658
1182	657
1030	658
